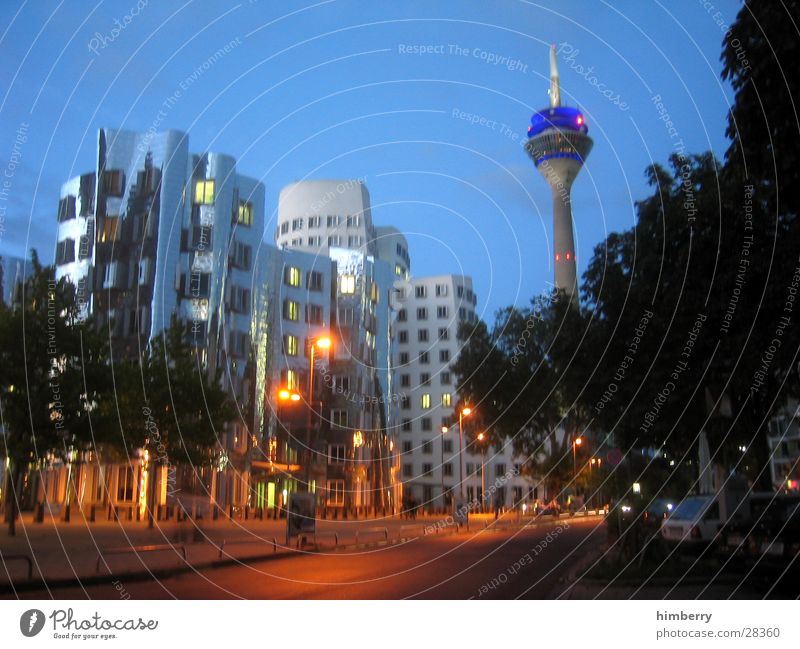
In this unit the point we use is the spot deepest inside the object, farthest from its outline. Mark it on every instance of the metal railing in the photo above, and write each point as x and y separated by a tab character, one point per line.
140	548
19	557
248	540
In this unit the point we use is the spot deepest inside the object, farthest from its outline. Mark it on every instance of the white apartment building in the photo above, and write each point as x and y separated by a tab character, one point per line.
426	344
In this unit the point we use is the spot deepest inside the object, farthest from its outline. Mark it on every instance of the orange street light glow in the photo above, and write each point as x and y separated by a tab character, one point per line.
578	441
466	412
445	429
295	397
323	343
480	437
283	395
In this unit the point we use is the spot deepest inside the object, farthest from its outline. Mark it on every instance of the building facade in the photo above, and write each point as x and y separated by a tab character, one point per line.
431	461
155	232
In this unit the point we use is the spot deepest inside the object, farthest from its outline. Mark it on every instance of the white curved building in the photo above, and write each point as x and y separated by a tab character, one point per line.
315	215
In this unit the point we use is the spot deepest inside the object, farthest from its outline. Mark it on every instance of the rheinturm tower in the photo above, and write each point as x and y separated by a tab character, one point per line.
558	143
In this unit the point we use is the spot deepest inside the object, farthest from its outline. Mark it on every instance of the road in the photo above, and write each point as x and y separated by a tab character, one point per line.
483	564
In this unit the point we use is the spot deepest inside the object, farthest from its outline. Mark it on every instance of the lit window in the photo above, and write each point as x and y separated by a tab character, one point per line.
447	399
204	192
425	401
347	284
291	310
398	270
291	380
290	345
245	213
335	492
292	276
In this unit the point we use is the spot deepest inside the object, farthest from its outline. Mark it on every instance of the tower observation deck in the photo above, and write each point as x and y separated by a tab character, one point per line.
558	143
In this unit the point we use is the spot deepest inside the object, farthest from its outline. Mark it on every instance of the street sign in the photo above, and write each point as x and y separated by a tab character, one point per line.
301	515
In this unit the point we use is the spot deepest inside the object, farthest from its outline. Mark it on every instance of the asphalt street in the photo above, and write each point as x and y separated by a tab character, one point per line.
483	564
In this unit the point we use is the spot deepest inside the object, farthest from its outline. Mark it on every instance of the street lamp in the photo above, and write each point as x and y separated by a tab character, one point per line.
481	437
463	412
321	342
441	464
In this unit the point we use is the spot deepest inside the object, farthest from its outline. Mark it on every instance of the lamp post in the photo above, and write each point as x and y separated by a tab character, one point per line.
481	437
575	444
463	412
323	342
441	465
285	396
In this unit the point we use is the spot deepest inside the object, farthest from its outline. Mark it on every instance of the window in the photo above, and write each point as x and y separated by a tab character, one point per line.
403	358
405	380
201	237
353	221
66	208
405	403
345	316
199	284
442	312
204	192
334	240
113	182
462	313
291	276
444	333
354	241
65	251
402	315
125	483
297	224
333	221
408	470
448	446
425	400
341	384
240	299
460	291
245	215
314	242
373	292
291	379
422	313
291	310
285	227
444	378
425	378
444	355
109	230
420	291
423	358
422	335
314	314
447	469
314	280
335	492
407	446
426	424
441	290
336	453
499	469
339	418
314	221
427	469
447	399
399	270
470	468
290	345
402	336
241	255
406	427
347	284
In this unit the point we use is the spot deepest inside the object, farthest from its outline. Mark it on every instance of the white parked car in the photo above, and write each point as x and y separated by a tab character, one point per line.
695	520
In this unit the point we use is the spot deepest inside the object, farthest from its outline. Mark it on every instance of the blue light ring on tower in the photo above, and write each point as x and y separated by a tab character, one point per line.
539	160
560	117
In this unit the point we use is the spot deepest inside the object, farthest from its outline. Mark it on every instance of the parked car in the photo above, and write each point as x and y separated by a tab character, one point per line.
694	520
769	534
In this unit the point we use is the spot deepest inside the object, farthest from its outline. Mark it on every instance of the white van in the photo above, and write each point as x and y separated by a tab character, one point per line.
695	520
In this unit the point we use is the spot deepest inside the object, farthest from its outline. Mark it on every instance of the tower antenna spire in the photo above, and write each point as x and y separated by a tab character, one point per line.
555	86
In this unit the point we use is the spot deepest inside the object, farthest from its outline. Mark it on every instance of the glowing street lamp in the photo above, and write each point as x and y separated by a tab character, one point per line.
463	412
321	342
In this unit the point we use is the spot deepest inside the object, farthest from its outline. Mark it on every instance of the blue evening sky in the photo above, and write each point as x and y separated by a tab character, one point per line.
336	89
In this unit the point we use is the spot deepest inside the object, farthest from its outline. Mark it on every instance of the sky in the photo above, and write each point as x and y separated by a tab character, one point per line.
427	102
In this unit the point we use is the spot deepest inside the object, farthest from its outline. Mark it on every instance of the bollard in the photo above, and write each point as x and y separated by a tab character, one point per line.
92	513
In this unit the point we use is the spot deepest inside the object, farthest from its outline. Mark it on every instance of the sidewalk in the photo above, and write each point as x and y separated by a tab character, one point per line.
68	553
